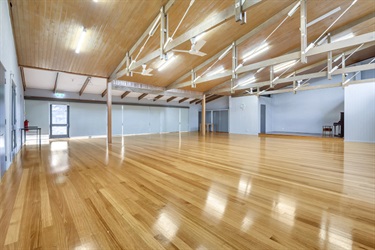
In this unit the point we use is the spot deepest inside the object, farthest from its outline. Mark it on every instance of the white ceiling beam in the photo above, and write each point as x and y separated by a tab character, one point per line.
238	42
139	41
207	25
304	77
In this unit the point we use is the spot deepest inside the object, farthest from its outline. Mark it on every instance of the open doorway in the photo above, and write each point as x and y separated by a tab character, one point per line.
59	121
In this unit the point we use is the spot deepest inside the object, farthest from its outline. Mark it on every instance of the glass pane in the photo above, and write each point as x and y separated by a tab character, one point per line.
59	130
59	114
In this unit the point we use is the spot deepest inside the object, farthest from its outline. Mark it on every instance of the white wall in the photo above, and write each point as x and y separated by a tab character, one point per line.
307	111
8	58
360	112
244	115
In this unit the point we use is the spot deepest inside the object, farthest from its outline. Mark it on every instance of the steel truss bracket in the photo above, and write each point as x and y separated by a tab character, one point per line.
239	13
163	32
193	75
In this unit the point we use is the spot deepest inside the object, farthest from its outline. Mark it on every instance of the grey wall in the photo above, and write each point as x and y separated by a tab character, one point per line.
269	110
360	112
244	115
8	58
307	111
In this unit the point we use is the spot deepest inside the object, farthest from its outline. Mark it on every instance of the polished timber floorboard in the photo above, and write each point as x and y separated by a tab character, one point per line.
183	191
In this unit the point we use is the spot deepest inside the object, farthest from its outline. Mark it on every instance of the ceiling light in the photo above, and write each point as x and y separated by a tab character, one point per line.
216	71
260	70
309	47
337	58
328	14
95	1
198	37
239	66
248	81
225	52
262	48
293	10
80	41
334	68
166	63
344	37
285	65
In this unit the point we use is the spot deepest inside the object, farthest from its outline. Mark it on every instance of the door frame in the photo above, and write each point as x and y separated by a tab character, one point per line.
59	125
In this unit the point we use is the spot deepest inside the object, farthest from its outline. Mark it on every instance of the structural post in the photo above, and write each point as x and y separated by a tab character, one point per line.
109	112
303	29
203	120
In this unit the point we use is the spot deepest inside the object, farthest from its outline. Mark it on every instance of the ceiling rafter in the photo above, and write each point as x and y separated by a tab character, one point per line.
104	92
171	98
183	99
23	78
205	26
142	96
55	85
157	97
84	85
125	94
194	100
255	31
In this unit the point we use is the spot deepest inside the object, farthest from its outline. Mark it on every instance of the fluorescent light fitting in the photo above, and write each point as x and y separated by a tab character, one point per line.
309	47
260	70
337	58
277	78
262	48
166	63
333	69
238	67
153	29
248	81
293	10
95	1
344	37
225	52
198	37
80	41
322	40
285	65
328	14
216	71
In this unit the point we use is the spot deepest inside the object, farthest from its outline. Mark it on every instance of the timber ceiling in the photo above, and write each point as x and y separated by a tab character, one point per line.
47	32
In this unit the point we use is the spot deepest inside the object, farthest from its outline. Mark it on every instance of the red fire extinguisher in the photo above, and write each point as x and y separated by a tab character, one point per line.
26	124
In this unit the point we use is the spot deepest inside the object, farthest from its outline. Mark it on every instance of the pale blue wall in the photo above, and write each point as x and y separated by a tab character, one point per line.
244	115
307	111
8	58
360	112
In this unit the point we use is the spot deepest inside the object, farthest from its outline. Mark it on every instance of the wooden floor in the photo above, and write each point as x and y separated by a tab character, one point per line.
189	192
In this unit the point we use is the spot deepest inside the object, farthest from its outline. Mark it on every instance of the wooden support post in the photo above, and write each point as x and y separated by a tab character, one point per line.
203	120
109	112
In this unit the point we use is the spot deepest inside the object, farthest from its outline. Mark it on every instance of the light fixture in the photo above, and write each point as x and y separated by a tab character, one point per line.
216	71
293	10
337	58
344	37
95	1
260	70
253	53
238	67
285	65
248	81
166	63
309	47
333	69
198	37
80	41
225	52
328	14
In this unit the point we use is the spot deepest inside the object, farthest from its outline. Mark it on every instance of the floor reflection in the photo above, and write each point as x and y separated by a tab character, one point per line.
216	203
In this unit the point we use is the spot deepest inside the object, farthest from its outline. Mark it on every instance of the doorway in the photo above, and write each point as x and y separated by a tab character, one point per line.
14	120
2	120
262	118
59	121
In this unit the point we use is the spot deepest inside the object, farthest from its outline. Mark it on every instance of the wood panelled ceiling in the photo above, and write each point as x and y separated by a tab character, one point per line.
47	32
